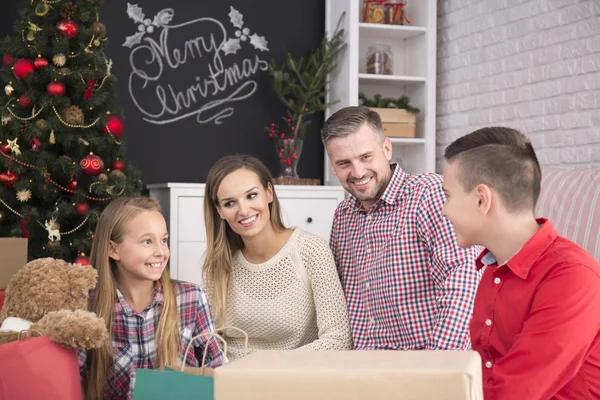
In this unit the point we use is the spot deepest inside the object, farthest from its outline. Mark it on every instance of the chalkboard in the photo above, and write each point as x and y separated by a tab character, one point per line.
192	80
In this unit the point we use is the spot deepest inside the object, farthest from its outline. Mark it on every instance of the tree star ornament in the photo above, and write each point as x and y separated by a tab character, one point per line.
14	147
24	195
59	59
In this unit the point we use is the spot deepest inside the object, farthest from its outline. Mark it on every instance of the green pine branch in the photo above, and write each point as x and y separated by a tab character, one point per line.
300	84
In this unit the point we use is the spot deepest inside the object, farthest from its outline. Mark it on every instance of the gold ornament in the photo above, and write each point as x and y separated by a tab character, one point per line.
64	71
9	89
52	139
73	115
1	215
59	60
24	195
5	119
41	9
42	124
98	29
103	177
96	42
30	36
13	146
117	172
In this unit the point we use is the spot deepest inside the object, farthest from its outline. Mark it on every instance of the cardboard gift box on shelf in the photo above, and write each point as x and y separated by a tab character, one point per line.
397	122
351	375
13	255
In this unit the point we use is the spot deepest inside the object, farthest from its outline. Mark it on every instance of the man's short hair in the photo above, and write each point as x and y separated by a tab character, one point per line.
501	158
349	120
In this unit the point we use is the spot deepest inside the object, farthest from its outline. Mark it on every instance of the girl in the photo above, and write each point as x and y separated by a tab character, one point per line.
279	285
150	318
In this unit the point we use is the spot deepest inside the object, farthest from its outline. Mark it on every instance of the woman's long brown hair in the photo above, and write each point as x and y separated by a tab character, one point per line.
221	241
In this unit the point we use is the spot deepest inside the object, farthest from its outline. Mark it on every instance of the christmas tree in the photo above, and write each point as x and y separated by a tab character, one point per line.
61	147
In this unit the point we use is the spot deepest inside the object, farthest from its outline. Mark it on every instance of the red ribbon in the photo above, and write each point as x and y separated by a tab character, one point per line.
398	6
367	7
90	90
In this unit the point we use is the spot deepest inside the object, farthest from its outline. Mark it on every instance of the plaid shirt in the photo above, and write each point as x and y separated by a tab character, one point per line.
134	337
407	283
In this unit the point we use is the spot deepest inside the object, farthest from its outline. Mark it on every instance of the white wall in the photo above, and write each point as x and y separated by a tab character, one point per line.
533	65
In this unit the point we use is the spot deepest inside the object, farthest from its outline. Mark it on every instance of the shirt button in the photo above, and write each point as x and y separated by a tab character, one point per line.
497	281
488	364
367	285
368	250
488	322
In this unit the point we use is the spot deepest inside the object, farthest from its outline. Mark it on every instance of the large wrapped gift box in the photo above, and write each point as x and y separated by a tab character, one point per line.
351	375
13	255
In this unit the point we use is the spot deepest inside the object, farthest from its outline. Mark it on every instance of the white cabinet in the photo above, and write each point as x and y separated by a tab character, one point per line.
414	73
308	207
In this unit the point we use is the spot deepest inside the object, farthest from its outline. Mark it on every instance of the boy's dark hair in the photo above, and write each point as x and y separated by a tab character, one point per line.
502	158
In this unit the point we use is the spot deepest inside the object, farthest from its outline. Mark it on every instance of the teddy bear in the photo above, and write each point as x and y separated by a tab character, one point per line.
50	297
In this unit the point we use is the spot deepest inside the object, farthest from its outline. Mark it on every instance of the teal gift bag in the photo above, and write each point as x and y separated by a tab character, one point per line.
182	384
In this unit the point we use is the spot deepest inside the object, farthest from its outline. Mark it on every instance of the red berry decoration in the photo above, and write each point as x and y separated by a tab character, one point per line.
120	165
68	28
8	179
72	184
114	125
91	165
22	68
82	208
7	60
82	260
25	102
40	63
4	149
56	89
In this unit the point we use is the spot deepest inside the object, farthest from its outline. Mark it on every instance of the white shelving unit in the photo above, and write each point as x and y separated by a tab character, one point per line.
414	73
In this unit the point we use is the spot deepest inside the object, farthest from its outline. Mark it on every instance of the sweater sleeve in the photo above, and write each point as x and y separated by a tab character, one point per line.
330	303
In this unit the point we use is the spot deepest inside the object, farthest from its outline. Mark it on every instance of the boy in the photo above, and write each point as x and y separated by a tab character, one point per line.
536	318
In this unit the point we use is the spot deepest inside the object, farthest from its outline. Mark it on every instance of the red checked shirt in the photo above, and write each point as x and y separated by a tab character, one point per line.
408	285
134	337
536	321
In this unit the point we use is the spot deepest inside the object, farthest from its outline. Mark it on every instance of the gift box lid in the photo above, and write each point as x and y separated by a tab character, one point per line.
352	375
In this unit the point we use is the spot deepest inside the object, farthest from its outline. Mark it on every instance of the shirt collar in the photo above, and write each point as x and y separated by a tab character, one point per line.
522	262
126	309
391	193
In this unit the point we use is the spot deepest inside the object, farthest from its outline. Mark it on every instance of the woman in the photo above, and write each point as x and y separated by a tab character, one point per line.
277	284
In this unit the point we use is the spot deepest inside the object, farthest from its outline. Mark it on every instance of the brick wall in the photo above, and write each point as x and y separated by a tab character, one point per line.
533	65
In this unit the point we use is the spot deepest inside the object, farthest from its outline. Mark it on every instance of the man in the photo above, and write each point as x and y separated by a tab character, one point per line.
407	284
536	319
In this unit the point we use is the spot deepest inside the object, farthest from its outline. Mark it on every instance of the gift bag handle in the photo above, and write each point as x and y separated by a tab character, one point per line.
224	328
210	335
28	330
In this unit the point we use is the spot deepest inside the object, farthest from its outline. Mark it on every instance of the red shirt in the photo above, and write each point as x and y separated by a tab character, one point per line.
536	321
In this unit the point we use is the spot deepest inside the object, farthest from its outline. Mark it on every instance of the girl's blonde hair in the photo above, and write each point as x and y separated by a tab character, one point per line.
112	226
221	241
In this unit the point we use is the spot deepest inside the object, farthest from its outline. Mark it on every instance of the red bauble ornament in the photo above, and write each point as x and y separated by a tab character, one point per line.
120	165
56	89
4	149
40	62
82	260
25	102
7	60
72	184
22	68
91	165
35	144
68	28
8	179
114	125
82	208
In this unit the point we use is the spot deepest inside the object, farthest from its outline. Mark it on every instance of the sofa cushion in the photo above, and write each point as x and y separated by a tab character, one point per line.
570	198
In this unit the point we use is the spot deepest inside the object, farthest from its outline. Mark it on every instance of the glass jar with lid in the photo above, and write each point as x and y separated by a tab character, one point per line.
379	59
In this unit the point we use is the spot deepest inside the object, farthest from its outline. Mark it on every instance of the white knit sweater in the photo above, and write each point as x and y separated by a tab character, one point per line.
293	301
